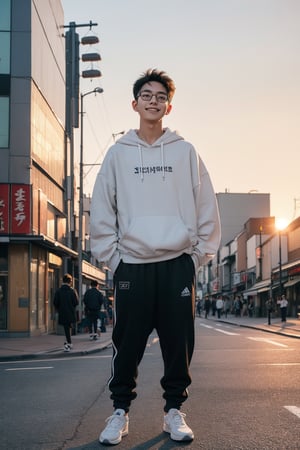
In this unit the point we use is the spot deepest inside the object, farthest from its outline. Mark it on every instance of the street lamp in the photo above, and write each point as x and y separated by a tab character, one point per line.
280	225
97	90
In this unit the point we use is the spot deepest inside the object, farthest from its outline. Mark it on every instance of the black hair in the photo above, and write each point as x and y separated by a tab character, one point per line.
154	75
67	278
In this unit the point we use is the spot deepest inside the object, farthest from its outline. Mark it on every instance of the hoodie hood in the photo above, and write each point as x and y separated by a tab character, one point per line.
131	138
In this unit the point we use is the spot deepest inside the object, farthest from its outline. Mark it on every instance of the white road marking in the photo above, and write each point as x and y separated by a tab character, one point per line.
269	341
279	364
29	368
294	410
205	326
217	329
227	332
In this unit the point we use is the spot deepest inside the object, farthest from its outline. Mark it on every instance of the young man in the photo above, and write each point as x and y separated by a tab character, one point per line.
154	221
93	300
65	302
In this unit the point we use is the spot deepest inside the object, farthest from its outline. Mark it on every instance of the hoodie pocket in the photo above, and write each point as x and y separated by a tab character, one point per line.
152	236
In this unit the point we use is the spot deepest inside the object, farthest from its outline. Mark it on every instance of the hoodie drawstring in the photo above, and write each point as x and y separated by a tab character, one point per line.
162	159
141	162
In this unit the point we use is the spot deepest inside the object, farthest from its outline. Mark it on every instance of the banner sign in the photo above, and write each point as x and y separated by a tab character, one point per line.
15	209
4	208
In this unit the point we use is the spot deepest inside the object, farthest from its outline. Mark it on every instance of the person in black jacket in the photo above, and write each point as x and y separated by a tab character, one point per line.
65	302
93	300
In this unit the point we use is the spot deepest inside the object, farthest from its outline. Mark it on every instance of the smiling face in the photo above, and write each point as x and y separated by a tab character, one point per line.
156	106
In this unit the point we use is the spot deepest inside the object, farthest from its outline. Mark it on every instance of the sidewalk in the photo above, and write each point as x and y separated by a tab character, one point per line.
290	329
51	345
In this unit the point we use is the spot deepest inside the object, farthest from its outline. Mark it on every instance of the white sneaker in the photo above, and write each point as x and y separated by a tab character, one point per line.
174	424
116	428
67	347
91	337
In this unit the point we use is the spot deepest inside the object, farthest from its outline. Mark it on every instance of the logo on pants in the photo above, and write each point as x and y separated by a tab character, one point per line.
124	285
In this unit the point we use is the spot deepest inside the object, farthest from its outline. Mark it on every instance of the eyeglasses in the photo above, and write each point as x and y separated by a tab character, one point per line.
146	96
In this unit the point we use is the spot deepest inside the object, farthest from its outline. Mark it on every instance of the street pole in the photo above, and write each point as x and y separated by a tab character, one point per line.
80	228
280	265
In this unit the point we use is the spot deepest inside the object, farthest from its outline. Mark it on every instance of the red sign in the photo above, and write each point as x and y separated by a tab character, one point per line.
20	209
4	208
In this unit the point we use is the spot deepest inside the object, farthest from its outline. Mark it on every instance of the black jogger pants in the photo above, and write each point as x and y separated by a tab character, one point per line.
154	295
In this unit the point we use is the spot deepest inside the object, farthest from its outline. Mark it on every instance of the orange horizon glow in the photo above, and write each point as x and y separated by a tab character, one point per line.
281	223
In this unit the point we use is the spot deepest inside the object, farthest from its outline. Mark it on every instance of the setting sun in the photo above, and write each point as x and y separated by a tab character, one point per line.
281	223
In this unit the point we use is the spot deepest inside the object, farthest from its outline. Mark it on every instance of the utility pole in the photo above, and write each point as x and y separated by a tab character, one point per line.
72	121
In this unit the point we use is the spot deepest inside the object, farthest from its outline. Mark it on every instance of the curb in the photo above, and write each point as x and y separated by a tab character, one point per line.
54	354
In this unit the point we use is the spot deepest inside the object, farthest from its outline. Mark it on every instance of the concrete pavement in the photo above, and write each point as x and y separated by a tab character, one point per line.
51	345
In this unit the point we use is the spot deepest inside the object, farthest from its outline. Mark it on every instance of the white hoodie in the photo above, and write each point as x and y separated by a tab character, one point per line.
153	203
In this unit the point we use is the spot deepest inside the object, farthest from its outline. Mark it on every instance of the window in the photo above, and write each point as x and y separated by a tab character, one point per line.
4	71
4	121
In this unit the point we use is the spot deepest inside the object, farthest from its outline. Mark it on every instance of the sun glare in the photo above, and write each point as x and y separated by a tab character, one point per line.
281	223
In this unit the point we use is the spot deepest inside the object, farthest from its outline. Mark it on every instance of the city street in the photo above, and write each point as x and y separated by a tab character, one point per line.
245	396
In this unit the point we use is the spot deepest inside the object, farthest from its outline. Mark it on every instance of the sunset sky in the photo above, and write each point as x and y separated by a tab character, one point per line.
236	66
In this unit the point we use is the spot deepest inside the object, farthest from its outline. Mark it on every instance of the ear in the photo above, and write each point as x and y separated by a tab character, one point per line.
169	108
134	104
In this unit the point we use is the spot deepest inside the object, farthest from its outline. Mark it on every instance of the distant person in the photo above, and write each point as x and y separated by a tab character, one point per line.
226	306
199	307
65	302
250	308
237	304
155	221
270	309
207	305
93	300
214	306
283	303
244	307
219	306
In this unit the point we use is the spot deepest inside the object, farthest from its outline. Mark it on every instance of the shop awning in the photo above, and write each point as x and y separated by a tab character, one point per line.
50	244
292	282
261	286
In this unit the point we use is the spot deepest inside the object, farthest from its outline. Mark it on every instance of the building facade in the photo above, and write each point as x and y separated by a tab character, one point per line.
258	264
37	239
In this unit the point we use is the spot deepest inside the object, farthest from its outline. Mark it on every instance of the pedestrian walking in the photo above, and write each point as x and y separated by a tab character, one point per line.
270	309
226	306
219	306
65	302
207	305
250	308
154	221
237	304
199	307
214	306
283	303
93	300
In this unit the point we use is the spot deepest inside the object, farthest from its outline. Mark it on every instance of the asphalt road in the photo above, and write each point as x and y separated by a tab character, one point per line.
245	396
